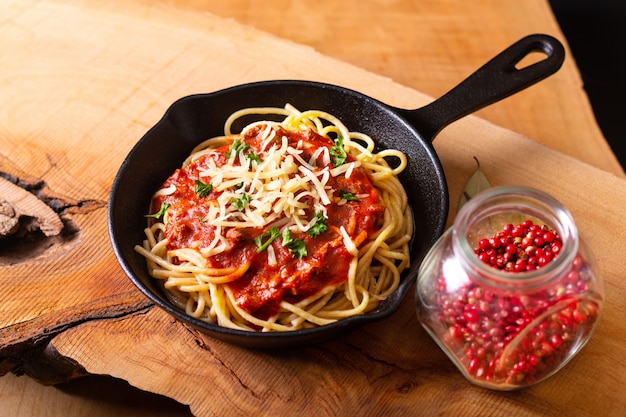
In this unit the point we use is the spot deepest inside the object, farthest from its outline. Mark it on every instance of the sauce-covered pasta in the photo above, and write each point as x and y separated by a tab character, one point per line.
282	226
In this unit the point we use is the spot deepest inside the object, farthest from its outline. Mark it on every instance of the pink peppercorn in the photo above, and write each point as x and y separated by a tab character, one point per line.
515	306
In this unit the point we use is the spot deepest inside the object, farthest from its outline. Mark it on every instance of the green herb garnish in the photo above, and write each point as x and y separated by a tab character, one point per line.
241	202
296	246
338	153
237	146
161	212
254	157
347	196
320	225
201	189
266	238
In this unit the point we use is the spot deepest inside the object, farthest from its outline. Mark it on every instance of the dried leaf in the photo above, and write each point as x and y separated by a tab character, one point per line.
477	183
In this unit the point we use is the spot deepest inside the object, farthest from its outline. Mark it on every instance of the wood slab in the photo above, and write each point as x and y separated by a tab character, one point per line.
429	45
82	84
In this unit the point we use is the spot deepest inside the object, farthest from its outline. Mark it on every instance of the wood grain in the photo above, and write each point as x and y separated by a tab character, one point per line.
430	46
84	80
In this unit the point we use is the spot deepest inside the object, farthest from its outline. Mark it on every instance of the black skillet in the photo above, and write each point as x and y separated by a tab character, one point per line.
194	118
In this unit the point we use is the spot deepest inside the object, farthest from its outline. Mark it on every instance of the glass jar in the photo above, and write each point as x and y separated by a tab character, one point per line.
504	326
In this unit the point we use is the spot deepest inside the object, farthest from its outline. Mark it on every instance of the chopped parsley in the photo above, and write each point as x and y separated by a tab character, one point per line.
161	212
237	146
266	238
338	153
296	246
347	196
254	157
241	202
320	225
201	189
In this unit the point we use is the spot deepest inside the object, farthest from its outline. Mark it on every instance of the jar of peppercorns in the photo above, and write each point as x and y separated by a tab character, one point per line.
510	292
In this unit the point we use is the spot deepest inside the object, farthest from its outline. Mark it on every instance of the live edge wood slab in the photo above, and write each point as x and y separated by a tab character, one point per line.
80	85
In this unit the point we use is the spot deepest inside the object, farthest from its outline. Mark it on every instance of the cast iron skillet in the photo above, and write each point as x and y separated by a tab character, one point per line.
197	117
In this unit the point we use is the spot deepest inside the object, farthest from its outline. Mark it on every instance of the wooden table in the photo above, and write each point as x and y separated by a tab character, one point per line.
427	46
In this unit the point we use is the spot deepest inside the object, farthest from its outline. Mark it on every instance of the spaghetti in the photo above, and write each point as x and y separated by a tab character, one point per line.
285	225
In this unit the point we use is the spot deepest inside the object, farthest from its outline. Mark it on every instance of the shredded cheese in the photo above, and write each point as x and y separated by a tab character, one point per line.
348	243
166	191
283	183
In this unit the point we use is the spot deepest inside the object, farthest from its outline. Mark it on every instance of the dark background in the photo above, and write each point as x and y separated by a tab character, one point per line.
596	33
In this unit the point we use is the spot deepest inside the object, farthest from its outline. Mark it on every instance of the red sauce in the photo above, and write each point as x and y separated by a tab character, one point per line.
261	289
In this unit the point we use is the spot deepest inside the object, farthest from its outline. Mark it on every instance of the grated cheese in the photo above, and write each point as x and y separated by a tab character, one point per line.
282	184
348	243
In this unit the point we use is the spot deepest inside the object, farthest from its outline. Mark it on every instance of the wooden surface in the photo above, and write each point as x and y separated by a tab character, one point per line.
82	80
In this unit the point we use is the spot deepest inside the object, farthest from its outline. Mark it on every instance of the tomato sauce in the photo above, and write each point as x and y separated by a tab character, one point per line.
262	288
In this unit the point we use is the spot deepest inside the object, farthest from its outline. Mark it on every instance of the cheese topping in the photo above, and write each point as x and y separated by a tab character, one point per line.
273	181
283	218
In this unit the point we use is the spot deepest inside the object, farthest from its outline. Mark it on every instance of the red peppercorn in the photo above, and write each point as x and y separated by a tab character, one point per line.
484	244
535	246
549	236
542	261
484	257
495	242
507	339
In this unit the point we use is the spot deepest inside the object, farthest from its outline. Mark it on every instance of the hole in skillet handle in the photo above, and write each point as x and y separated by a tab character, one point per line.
530	59
509	72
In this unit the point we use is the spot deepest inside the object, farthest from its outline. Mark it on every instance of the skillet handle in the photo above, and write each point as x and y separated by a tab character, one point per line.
494	81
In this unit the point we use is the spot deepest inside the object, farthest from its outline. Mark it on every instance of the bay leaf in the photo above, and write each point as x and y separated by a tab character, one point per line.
477	183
